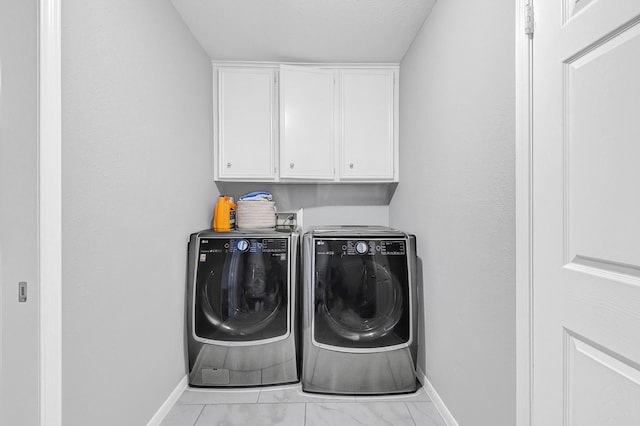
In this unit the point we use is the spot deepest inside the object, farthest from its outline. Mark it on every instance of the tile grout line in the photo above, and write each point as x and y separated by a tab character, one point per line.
413	419
199	414
305	414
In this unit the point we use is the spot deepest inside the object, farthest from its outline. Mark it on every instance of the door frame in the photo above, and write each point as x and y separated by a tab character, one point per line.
524	215
49	232
50	214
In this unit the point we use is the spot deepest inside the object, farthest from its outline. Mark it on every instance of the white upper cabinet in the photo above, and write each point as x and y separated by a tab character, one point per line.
246	124
368	130
307	123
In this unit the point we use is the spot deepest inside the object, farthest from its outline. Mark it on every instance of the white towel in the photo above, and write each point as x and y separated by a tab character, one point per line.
257	213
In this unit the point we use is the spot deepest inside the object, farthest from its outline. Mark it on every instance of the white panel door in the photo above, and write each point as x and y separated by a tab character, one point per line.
586	213
246	123
367	137
307	123
19	346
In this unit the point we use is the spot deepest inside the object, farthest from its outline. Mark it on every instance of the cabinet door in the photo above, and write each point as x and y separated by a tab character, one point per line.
246	117
307	130
368	141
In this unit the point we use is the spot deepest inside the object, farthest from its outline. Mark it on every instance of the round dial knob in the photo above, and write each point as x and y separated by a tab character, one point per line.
362	247
242	245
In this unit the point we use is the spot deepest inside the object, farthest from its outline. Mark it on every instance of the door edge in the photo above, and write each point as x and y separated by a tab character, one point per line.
524	217
50	212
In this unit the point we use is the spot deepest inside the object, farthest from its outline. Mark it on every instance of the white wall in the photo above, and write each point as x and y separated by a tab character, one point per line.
137	179
18	212
456	193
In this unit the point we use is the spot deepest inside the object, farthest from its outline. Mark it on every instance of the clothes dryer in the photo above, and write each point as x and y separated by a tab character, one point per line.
241	312
359	311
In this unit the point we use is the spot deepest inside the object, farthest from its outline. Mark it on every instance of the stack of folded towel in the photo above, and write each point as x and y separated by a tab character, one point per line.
256	210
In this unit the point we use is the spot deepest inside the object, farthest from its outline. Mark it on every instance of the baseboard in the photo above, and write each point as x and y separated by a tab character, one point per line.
435	398
170	402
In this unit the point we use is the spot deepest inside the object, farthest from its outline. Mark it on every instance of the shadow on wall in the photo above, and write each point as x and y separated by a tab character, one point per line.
294	196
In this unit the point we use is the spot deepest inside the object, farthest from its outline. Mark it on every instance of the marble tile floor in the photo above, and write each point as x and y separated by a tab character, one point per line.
287	405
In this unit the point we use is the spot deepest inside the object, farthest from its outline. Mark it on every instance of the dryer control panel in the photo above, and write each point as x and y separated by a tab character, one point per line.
243	245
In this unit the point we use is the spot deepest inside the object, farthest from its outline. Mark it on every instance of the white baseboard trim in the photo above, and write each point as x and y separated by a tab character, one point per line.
435	398
169	403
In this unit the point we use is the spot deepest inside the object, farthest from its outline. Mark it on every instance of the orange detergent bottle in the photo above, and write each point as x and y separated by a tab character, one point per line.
224	215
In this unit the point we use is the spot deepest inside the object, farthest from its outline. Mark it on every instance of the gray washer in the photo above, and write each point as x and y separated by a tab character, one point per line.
242	308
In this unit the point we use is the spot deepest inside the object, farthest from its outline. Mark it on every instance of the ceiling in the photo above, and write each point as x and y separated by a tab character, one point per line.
305	30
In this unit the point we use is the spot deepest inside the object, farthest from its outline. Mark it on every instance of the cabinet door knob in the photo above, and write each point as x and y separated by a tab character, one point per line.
351	165
228	165
291	165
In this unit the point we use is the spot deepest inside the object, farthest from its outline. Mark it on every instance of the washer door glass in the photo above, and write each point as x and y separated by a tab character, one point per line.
361	293
241	291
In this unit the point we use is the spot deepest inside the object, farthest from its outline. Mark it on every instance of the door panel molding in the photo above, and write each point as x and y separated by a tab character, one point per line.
598	380
606	269
598	164
572	8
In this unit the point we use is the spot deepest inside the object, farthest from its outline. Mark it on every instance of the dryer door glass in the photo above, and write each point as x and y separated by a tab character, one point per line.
361	293
241	291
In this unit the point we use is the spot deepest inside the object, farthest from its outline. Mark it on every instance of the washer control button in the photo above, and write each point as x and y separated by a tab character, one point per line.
242	245
362	247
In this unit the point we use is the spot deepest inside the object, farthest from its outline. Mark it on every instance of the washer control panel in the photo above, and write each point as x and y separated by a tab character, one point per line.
243	245
361	247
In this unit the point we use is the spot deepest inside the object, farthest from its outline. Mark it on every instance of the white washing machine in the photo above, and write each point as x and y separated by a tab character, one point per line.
241	313
359	311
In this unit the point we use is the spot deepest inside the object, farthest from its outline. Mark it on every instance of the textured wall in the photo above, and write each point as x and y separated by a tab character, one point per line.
18	212
345	215
137	179
456	193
